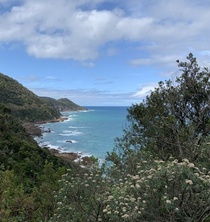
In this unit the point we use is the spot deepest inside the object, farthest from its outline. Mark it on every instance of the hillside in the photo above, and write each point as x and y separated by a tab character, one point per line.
62	104
28	173
17	148
23	103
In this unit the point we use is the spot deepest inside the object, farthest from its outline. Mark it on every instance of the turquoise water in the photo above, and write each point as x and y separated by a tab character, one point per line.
90	132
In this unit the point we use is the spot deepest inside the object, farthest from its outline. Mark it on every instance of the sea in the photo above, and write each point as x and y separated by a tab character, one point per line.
91	132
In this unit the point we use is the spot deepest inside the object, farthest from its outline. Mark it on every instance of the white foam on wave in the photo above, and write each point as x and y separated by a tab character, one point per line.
72	133
74	141
65	134
68	120
73	115
48	144
66	131
67	141
77	127
61	141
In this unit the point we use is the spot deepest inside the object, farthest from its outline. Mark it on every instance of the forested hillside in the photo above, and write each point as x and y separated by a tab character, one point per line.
23	166
28	174
62	104
23	103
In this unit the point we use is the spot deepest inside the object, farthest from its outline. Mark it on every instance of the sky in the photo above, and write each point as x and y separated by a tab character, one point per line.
100	52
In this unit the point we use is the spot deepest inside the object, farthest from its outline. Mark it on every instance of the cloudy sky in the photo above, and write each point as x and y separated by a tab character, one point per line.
100	52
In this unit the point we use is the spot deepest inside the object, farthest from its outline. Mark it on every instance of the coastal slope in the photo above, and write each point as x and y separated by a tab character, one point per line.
24	104
27	106
62	104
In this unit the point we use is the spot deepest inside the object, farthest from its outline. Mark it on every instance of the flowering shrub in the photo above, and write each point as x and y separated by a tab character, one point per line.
160	166
157	191
168	191
81	196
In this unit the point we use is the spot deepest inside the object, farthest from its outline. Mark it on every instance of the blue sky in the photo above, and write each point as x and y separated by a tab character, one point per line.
98	52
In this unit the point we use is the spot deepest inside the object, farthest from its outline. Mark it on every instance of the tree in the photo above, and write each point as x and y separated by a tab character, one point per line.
163	155
173	121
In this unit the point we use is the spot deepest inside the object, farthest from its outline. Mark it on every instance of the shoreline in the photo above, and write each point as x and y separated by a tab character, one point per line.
74	157
36	130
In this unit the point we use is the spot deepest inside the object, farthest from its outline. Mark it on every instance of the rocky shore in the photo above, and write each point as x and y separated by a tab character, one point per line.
77	157
35	130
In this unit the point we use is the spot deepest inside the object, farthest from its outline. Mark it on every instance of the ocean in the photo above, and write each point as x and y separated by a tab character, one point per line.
91	132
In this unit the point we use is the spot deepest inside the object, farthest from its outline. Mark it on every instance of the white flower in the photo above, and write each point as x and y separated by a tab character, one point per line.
185	160
175	161
137	186
191	165
189	182
125	216
168	201
132	199
110	197
104	210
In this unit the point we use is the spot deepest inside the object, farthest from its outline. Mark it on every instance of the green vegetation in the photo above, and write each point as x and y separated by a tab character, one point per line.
23	103
62	104
160	168
25	170
158	171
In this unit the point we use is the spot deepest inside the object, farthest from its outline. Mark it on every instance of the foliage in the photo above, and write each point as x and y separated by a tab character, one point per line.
174	120
80	197
25	170
23	103
62	104
159	171
156	191
162	191
160	168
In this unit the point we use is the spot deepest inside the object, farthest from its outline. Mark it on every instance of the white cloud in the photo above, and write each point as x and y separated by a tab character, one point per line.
145	90
85	97
76	29
155	60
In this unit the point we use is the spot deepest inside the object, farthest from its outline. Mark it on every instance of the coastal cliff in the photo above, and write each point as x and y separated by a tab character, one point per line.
62	104
24	104
27	106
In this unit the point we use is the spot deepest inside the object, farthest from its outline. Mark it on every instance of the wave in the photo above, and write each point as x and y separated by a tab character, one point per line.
71	133
61	141
73	141
78	127
68	120
67	141
86	111
49	145
67	131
